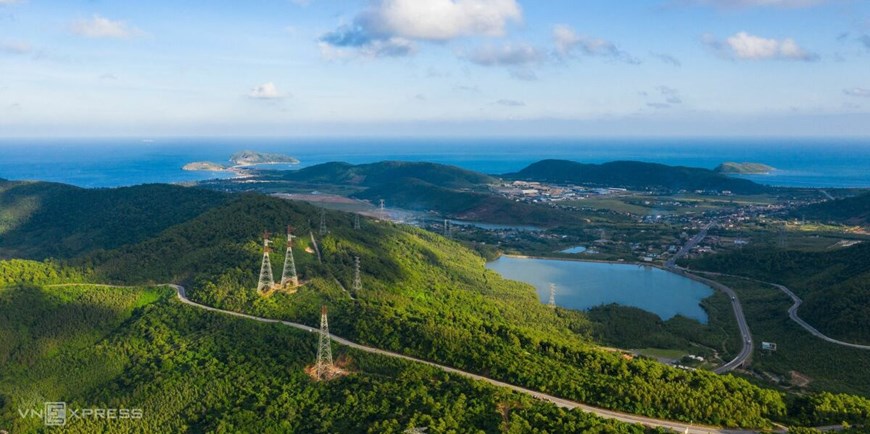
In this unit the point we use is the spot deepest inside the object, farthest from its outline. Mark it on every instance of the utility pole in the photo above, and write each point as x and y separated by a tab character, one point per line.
288	276
552	302
266	281
323	368
357	280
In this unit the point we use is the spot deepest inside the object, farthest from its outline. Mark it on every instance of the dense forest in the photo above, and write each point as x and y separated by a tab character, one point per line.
427	296
850	211
137	348
422	295
834	284
39	220
636	176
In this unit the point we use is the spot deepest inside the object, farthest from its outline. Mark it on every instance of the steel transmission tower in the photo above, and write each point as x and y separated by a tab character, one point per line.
446	228
323	368
322	222
356	223
288	276
357	280
266	281
552	302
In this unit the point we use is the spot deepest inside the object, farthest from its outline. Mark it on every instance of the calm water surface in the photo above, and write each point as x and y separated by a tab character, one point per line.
583	285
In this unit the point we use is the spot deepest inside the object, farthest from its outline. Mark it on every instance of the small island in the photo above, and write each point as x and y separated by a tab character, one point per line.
205	166
240	160
249	158
731	168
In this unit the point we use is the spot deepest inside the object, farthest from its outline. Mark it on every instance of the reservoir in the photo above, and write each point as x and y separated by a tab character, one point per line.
584	285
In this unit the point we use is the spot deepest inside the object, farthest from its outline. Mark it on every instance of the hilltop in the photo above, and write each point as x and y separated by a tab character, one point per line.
389	172
743	168
635	175
41	219
248	158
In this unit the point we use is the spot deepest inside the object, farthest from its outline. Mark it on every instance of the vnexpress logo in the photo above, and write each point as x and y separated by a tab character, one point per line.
54	414
58	414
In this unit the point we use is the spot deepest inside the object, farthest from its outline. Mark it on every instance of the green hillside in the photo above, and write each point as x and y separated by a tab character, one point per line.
634	175
850	211
41	220
835	285
422	295
427	296
137	348
388	172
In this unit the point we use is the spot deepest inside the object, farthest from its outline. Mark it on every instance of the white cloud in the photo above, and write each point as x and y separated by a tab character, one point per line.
749	47
9	2
15	47
389	28
569	42
510	103
440	20
371	48
857	91
265	91
101	27
506	55
756	3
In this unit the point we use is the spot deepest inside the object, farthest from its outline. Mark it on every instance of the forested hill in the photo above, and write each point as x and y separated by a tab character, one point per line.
634	175
850	211
448	190
40	219
835	285
388	172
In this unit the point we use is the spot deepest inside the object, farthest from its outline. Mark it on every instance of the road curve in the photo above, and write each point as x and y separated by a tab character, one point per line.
564	403
745	334
792	313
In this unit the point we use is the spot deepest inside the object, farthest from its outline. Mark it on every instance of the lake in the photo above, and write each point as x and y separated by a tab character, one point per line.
584	285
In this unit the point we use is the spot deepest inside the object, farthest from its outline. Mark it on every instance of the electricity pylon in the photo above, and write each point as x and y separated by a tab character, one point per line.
288	276
357	280
322	222
356	223
323	368
446	228
266	281
552	302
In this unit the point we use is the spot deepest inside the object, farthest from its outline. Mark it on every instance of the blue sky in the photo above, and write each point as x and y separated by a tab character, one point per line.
435	67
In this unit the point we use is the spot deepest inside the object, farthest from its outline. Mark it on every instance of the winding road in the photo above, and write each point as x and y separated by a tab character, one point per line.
745	335
564	403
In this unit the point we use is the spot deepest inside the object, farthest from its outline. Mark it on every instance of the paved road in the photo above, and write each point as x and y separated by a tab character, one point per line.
792	313
694	241
564	403
745	334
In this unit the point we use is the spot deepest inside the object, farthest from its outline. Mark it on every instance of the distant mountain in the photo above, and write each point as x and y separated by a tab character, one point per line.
247	158
389	172
41	219
850	211
448	190
743	168
634	175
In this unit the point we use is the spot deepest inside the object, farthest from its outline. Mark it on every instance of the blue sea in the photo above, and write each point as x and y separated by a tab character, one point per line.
829	163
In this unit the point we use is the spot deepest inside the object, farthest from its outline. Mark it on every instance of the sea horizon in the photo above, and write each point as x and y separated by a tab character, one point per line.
114	162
